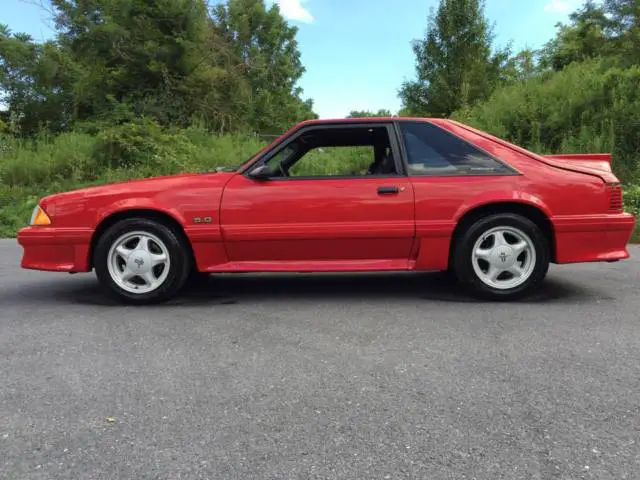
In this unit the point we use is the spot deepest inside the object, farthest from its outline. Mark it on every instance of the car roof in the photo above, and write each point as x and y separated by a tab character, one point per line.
321	121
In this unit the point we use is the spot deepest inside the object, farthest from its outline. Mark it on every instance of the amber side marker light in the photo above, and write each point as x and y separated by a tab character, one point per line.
39	217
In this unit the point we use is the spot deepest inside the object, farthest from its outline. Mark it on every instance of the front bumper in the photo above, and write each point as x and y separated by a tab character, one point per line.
593	238
55	249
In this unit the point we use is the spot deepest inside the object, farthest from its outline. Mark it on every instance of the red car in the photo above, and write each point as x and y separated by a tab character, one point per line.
344	195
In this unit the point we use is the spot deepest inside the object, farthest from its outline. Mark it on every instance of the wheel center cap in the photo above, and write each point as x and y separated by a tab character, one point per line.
139	261
503	257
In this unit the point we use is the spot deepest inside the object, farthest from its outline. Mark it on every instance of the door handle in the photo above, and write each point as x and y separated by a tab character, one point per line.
388	190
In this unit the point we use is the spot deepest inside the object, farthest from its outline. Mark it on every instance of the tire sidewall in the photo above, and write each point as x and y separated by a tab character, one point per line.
179	267
463	263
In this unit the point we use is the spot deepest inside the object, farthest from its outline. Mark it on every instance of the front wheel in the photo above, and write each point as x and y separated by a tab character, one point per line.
141	261
502	256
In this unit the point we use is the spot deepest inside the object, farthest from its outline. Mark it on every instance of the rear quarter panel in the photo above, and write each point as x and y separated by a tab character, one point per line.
562	192
442	201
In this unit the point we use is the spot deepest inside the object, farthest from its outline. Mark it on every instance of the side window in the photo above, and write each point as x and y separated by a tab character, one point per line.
336	151
333	161
433	151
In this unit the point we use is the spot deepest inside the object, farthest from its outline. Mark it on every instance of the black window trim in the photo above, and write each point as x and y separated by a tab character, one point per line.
394	141
511	171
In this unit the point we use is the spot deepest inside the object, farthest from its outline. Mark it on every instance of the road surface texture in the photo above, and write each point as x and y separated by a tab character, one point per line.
320	377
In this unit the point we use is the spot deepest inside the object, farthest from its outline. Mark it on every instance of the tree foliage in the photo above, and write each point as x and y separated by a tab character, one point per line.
369	114
455	64
609	30
264	47
235	67
585	37
458	68
34	84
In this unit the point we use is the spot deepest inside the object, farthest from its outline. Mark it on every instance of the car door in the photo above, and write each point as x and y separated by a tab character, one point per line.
320	203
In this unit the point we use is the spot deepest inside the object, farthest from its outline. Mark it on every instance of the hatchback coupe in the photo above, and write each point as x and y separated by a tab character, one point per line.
343	196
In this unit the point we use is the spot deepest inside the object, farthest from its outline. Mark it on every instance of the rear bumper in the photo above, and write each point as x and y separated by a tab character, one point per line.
55	249
593	238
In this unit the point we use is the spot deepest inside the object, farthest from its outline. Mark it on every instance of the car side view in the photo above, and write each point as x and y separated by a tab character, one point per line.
344	195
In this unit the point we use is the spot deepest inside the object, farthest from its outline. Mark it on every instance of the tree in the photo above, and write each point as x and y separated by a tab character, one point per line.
137	54
264	47
624	26
34	84
234	67
366	113
625	14
523	66
587	36
454	62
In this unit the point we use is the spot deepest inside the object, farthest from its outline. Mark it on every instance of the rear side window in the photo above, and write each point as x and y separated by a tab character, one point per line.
436	152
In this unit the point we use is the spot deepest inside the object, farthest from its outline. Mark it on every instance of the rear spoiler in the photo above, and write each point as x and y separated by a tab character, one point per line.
596	161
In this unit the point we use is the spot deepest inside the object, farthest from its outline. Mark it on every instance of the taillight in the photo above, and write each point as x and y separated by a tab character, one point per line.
615	197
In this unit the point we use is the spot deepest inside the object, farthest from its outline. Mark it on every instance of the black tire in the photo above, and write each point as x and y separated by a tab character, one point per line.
179	255
463	263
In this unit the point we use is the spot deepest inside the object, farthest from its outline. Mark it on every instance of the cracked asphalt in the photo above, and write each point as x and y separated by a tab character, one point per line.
373	376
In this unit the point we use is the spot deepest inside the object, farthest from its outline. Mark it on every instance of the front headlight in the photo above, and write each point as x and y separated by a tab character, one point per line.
39	217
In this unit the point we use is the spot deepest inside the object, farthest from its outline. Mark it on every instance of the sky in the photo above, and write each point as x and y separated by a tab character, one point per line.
357	53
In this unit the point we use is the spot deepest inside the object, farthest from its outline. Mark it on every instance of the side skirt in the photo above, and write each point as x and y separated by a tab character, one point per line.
316	266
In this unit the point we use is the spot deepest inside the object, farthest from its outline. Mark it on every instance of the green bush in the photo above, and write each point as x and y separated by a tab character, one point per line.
148	149
15	205
46	159
142	145
632	199
632	205
221	150
585	108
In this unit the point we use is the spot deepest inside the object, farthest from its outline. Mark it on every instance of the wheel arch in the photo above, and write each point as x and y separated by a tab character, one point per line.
147	213
527	210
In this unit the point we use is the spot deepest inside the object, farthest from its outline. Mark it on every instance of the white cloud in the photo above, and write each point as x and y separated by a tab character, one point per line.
561	6
293	10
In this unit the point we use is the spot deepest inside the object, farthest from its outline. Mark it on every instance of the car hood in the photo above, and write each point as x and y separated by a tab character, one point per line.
137	187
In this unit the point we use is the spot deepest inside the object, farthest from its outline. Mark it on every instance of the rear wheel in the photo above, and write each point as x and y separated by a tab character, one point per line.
502	256
141	261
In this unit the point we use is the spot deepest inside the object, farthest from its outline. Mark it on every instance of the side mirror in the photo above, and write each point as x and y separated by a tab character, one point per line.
261	172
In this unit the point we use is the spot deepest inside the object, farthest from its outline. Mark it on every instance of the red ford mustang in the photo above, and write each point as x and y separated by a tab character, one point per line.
344	195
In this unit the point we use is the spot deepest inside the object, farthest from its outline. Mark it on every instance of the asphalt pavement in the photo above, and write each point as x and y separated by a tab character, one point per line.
372	376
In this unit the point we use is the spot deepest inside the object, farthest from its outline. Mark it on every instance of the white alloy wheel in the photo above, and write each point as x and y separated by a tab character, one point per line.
138	262
503	257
